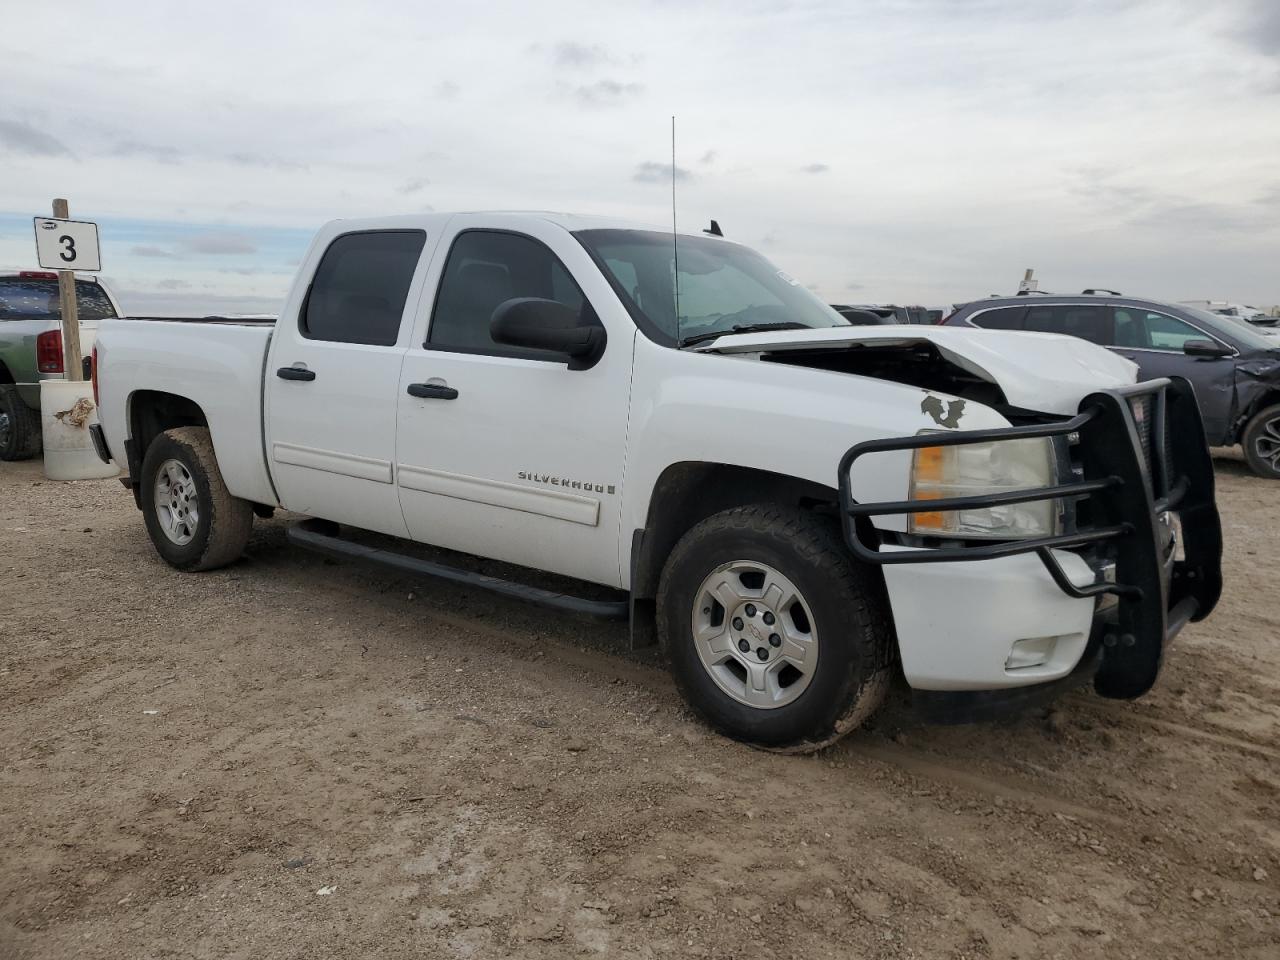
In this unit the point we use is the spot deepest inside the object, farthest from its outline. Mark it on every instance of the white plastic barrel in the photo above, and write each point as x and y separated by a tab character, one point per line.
67	411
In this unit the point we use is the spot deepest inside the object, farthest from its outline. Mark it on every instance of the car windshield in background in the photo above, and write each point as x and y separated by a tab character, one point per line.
31	298
722	285
1239	329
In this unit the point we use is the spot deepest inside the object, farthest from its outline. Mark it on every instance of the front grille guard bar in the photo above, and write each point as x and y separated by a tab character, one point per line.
1127	486
1093	414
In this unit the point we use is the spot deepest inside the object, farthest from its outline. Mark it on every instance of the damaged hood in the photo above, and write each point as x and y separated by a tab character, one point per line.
1045	372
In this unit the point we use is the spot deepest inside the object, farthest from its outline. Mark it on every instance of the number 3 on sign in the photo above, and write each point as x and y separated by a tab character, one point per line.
67	244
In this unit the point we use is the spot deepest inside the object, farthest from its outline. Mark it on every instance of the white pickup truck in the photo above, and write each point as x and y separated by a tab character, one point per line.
803	506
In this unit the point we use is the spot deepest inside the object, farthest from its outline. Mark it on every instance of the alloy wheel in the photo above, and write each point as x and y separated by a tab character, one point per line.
754	633
177	502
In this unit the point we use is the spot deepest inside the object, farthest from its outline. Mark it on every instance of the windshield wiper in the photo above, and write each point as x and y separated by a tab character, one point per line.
743	328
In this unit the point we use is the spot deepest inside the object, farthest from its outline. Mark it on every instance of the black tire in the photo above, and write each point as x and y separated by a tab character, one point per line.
223	521
847	603
20	438
1261	442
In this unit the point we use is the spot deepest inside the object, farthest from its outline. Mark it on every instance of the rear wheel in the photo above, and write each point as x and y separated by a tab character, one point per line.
1261	442
775	635
20	437
193	520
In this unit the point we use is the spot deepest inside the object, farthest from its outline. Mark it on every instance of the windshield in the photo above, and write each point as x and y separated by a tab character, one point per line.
721	285
1238	329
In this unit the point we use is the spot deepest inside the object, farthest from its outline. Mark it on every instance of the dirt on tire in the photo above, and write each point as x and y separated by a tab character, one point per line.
291	757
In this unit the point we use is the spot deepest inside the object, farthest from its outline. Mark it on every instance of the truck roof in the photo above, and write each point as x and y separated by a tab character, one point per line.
570	221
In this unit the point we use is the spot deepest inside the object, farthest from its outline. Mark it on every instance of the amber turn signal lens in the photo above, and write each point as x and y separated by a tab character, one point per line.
929	466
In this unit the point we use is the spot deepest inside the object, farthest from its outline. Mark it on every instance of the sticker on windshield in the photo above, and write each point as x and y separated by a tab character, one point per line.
788	278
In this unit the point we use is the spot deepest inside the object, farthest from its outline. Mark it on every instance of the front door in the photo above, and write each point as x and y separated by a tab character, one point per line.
331	382
1154	341
504	452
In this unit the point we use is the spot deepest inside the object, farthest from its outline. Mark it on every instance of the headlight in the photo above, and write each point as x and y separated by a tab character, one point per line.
973	469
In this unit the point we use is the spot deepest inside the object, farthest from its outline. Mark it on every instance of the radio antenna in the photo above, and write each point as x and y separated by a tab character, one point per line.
675	246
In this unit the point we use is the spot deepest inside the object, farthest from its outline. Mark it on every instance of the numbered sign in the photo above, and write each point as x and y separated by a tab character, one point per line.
67	244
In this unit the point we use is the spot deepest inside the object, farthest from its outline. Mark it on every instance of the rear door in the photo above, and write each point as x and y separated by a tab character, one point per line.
332	377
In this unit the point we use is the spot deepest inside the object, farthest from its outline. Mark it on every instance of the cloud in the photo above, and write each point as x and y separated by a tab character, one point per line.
853	286
172	283
579	56
708	157
19	137
1269	197
815	168
447	90
1261	29
153	252
218	243
606	93
134	148
650	172
413	186
1140	205
1199	218
258	160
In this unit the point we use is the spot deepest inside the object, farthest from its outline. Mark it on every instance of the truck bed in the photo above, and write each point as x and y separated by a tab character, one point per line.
214	362
250	320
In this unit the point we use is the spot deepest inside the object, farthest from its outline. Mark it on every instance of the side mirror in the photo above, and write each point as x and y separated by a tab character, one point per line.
1205	348
539	324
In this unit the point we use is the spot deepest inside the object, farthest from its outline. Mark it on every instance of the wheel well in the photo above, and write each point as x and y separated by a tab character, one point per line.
1260	402
151	413
688	493
5	376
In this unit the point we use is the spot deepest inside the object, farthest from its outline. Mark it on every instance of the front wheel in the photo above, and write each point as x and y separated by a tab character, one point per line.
1261	442
193	520
775	634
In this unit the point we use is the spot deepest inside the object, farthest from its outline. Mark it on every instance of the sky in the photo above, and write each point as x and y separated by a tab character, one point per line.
908	151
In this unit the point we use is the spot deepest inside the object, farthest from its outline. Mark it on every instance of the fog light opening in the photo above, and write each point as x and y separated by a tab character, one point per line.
1031	652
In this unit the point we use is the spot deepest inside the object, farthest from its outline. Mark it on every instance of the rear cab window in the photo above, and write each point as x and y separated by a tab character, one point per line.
360	287
36	298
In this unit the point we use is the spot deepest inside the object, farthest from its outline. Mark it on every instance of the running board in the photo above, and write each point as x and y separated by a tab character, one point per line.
313	535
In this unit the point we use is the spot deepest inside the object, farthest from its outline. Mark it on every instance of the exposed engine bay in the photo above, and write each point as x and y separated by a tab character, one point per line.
915	364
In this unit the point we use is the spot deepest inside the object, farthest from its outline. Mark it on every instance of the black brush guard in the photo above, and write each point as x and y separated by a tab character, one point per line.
1133	472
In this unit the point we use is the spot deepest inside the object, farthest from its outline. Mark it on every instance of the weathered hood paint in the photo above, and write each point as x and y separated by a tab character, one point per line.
1045	372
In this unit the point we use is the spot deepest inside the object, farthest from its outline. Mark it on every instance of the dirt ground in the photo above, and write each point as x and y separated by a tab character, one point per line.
298	758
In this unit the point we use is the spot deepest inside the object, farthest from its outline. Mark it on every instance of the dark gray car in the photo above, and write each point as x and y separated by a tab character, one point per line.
1234	367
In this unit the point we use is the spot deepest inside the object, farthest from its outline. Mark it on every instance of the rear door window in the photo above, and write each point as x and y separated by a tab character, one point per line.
36	298
360	287
1001	318
1084	320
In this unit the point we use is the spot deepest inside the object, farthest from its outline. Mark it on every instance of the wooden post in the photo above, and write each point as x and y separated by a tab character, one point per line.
71	363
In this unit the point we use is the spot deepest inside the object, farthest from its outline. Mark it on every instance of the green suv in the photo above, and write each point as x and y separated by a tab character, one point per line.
31	348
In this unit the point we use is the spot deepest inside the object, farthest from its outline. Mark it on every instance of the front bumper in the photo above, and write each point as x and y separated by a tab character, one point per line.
959	607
